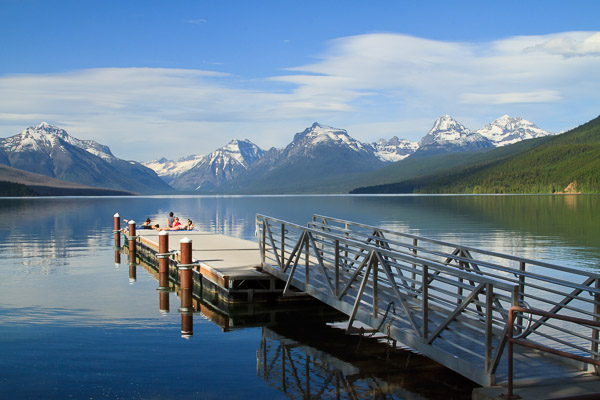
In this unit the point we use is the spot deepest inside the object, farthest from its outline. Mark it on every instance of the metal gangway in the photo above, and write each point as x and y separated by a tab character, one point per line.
447	301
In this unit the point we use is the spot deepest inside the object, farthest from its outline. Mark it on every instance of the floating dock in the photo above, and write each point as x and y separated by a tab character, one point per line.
225	266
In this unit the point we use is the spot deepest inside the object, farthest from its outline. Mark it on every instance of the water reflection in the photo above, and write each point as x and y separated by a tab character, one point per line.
164	301
132	273
187	324
320	361
117	256
62	227
187	313
304	353
72	326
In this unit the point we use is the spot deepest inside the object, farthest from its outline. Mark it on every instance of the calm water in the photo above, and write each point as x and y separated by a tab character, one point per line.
73	324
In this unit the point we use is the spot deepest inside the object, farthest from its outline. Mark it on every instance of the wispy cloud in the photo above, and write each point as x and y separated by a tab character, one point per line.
196	21
426	69
548	96
374	85
576	44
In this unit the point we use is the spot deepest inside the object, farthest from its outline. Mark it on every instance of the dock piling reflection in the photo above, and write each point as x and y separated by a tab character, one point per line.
117	257
187	313
186	285
132	272
163	301
187	324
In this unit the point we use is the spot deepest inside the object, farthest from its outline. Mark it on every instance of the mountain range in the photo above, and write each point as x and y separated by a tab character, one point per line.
566	163
320	159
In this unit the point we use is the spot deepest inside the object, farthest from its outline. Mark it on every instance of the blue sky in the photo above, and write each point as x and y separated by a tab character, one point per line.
158	78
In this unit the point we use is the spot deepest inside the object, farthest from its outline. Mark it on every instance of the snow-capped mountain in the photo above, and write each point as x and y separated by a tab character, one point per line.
51	151
508	130
169	169
394	149
390	150
320	141
323	135
449	136
219	167
47	138
317	154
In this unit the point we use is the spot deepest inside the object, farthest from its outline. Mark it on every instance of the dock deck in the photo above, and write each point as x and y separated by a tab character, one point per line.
225	265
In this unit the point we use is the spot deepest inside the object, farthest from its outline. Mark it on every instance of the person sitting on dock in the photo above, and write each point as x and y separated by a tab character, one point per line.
146	225
170	220
178	226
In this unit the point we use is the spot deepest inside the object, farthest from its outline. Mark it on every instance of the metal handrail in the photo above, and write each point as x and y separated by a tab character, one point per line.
543	289
518	340
478	262
407	258
418	286
469	248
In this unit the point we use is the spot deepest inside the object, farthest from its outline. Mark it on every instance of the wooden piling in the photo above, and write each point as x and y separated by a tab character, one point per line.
185	268
185	278
117	229
131	239
163	260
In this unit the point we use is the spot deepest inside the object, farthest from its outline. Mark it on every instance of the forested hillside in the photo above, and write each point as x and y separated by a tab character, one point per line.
567	162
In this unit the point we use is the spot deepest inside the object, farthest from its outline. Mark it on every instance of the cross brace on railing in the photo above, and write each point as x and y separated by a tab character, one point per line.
361	278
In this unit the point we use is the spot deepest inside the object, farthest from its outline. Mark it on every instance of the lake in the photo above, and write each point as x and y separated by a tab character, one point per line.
75	324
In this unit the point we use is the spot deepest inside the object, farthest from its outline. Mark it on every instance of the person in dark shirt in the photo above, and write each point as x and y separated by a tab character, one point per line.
170	220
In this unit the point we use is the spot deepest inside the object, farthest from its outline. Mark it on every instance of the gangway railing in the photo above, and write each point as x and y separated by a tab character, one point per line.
512	340
552	289
455	316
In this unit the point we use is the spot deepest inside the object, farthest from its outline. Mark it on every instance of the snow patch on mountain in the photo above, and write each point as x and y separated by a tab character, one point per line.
394	149
244	152
319	134
170	168
216	168
51	151
47	138
508	130
446	130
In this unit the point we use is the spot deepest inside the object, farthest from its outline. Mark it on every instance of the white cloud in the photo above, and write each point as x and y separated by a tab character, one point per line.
425	68
547	96
419	77
575	44
197	21
381	84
